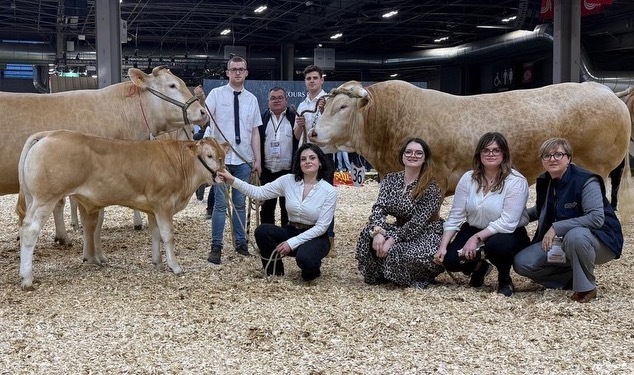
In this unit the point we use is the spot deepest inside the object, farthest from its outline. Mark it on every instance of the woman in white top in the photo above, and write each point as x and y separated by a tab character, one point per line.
310	202
488	215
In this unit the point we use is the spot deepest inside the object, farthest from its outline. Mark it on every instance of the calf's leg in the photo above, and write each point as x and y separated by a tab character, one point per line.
89	222
36	214
61	235
166	229
156	242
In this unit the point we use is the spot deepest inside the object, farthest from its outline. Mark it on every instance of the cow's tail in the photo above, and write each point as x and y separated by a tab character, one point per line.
20	208
626	190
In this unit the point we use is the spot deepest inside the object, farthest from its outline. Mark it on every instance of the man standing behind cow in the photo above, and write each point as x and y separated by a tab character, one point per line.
314	80
277	147
236	114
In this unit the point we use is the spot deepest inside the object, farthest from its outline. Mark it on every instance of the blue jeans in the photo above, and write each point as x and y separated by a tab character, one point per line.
243	172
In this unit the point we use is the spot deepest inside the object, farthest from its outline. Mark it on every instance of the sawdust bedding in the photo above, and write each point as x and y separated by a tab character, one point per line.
127	317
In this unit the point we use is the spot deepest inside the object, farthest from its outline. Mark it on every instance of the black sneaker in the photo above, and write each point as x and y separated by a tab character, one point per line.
214	254
506	287
208	215
243	249
478	275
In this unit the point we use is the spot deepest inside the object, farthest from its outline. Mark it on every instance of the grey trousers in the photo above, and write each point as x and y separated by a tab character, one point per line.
583	251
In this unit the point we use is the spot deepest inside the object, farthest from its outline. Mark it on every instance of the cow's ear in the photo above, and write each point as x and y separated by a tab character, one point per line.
225	146
364	101
137	76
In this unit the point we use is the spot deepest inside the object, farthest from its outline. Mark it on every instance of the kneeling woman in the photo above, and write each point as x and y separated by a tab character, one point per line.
571	205
310	202
402	252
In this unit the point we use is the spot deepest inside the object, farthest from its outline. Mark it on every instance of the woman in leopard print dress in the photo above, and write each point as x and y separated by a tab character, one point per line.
404	228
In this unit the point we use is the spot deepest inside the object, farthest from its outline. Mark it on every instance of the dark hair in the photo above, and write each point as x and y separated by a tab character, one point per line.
324	165
313	68
278	88
237	59
426	174
505	166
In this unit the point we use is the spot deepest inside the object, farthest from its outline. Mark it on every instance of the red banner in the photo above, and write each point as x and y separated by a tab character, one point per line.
588	7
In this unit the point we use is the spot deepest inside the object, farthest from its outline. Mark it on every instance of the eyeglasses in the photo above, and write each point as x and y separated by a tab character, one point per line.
556	155
490	151
276	98
417	154
237	70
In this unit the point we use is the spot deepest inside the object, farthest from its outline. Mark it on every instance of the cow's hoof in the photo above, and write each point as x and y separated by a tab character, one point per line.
159	266
178	270
63	241
138	227
27	286
93	260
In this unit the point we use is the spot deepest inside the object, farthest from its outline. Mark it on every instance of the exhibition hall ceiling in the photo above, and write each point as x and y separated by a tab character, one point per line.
170	30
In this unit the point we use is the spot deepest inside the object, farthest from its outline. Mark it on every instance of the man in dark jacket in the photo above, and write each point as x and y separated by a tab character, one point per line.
277	147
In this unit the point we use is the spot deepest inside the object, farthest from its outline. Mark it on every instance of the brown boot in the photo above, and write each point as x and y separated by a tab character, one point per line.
332	253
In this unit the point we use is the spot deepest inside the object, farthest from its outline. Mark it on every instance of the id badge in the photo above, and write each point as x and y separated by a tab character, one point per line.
275	149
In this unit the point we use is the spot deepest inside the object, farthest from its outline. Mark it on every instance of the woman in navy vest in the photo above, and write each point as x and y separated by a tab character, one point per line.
571	207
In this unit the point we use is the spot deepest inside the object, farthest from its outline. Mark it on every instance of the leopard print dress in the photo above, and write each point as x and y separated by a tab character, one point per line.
410	260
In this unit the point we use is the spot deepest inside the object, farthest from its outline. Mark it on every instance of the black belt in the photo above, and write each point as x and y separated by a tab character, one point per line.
299	226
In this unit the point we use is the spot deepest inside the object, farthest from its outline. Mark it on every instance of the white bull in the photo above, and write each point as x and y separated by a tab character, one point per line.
156	177
146	105
376	120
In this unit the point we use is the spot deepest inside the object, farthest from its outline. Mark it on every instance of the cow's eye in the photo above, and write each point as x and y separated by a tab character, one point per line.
344	106
172	86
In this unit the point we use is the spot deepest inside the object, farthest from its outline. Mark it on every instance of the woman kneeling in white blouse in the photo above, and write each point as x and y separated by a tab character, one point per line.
310	202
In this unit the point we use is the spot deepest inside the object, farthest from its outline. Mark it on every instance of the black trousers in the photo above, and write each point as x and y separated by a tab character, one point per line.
500	249
267	211
307	255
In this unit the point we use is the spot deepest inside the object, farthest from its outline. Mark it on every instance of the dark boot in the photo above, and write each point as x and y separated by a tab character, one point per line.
215	254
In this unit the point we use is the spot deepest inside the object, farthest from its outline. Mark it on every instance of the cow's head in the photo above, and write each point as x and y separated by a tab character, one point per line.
211	155
166	101
343	117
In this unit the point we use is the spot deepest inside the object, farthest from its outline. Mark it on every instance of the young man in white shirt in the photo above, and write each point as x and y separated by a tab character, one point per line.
244	156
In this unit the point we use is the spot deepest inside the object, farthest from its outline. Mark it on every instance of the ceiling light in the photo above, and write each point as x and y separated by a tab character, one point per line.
438	40
394	75
225	32
390	14
336	36
509	19
260	9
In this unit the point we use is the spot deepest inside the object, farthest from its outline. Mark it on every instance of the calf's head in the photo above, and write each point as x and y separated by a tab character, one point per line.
211	155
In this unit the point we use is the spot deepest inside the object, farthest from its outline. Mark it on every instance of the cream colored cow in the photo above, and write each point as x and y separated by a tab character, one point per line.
147	104
376	120
156	177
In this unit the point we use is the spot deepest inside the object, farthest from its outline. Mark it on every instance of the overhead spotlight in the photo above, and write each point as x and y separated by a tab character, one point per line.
508	19
394	75
260	9
439	40
225	32
390	14
336	36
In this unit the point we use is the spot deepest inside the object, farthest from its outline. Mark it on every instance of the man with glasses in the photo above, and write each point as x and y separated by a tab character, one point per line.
235	114
277	147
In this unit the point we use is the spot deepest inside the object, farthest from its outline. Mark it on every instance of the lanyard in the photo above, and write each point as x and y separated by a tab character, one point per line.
276	127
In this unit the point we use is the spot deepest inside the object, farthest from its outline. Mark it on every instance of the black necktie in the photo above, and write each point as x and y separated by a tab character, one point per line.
236	115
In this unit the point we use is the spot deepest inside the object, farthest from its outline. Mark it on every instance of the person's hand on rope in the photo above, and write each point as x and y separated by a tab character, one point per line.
226	177
284	248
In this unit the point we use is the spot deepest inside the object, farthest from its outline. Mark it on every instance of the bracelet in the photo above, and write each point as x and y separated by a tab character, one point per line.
377	230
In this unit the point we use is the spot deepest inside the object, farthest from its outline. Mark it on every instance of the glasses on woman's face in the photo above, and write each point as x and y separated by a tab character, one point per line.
413	153
490	151
556	155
